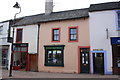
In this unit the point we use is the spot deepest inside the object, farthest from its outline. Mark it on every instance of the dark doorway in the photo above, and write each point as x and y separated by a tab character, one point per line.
116	58
84	60
98	63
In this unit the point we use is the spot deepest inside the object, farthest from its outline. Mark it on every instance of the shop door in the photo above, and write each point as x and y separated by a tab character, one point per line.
84	60
98	63
4	58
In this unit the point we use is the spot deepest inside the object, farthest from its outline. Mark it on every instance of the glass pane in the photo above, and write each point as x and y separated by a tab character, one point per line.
56	37
17	48
16	61
54	52
74	37
55	56
71	37
73	31
82	59
59	57
49	52
59	51
56	31
24	49
86	62
82	54
50	56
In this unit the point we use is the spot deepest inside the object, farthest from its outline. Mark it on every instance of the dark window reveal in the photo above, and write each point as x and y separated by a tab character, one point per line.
56	35
19	35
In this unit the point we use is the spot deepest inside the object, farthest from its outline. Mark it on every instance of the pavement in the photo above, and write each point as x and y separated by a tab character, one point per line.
28	74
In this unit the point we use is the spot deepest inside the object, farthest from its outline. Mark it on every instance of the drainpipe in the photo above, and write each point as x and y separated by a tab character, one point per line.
38	46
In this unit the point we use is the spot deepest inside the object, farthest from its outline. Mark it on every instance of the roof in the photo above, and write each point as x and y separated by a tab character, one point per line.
54	16
104	6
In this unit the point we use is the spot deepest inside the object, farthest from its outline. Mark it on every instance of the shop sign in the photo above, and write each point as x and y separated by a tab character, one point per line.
97	49
115	40
20	45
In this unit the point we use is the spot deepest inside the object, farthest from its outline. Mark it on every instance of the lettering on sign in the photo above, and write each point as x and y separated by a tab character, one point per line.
97	49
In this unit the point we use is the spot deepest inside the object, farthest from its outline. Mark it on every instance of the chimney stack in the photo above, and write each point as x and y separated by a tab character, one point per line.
48	6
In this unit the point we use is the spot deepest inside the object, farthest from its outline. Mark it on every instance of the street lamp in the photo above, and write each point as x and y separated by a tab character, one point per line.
11	63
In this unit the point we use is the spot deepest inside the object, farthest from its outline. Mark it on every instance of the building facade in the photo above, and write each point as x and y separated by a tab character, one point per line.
6	47
25	47
103	24
74	41
63	44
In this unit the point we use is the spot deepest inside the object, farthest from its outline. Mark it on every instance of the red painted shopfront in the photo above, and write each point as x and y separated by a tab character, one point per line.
20	56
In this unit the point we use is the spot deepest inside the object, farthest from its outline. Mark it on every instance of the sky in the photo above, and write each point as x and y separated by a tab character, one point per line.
33	7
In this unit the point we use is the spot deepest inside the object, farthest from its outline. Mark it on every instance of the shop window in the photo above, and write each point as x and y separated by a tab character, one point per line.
54	55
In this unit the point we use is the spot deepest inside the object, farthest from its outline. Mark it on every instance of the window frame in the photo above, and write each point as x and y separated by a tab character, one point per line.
117	23
54	34
17	35
1	29
46	55
69	28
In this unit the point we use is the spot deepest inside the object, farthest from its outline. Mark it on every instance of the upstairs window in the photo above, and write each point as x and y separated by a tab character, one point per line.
118	20
73	34
56	35
19	36
1	29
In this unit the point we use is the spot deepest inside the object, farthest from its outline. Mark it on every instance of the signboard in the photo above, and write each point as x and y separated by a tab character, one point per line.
97	49
20	45
115	40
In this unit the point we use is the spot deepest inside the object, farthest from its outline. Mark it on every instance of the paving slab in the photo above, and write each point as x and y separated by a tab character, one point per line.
35	75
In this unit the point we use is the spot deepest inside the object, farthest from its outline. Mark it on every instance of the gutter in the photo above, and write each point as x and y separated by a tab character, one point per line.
37	47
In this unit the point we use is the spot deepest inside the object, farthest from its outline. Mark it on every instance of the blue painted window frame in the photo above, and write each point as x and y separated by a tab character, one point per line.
117	25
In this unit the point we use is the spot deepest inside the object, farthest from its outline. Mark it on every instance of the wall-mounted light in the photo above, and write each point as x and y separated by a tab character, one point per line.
107	33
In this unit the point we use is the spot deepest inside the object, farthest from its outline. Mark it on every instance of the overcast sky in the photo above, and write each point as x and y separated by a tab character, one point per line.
32	7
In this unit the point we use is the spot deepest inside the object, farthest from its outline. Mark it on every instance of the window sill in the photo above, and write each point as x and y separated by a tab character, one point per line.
53	65
55	41
73	41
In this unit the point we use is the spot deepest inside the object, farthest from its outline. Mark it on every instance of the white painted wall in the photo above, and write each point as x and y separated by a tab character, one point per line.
30	35
98	22
4	34
3	39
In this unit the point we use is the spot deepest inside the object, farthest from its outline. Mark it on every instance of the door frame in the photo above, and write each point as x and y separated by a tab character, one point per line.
79	56
105	61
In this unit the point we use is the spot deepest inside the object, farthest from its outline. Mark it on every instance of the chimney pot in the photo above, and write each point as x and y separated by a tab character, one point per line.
48	6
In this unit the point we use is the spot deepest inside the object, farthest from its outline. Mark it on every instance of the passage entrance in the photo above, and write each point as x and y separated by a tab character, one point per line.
98	63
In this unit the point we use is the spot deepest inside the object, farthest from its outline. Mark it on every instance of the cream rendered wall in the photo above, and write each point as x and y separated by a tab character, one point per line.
99	22
30	35
70	49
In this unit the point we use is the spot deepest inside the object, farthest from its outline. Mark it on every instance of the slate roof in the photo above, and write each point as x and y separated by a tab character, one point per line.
104	6
54	16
